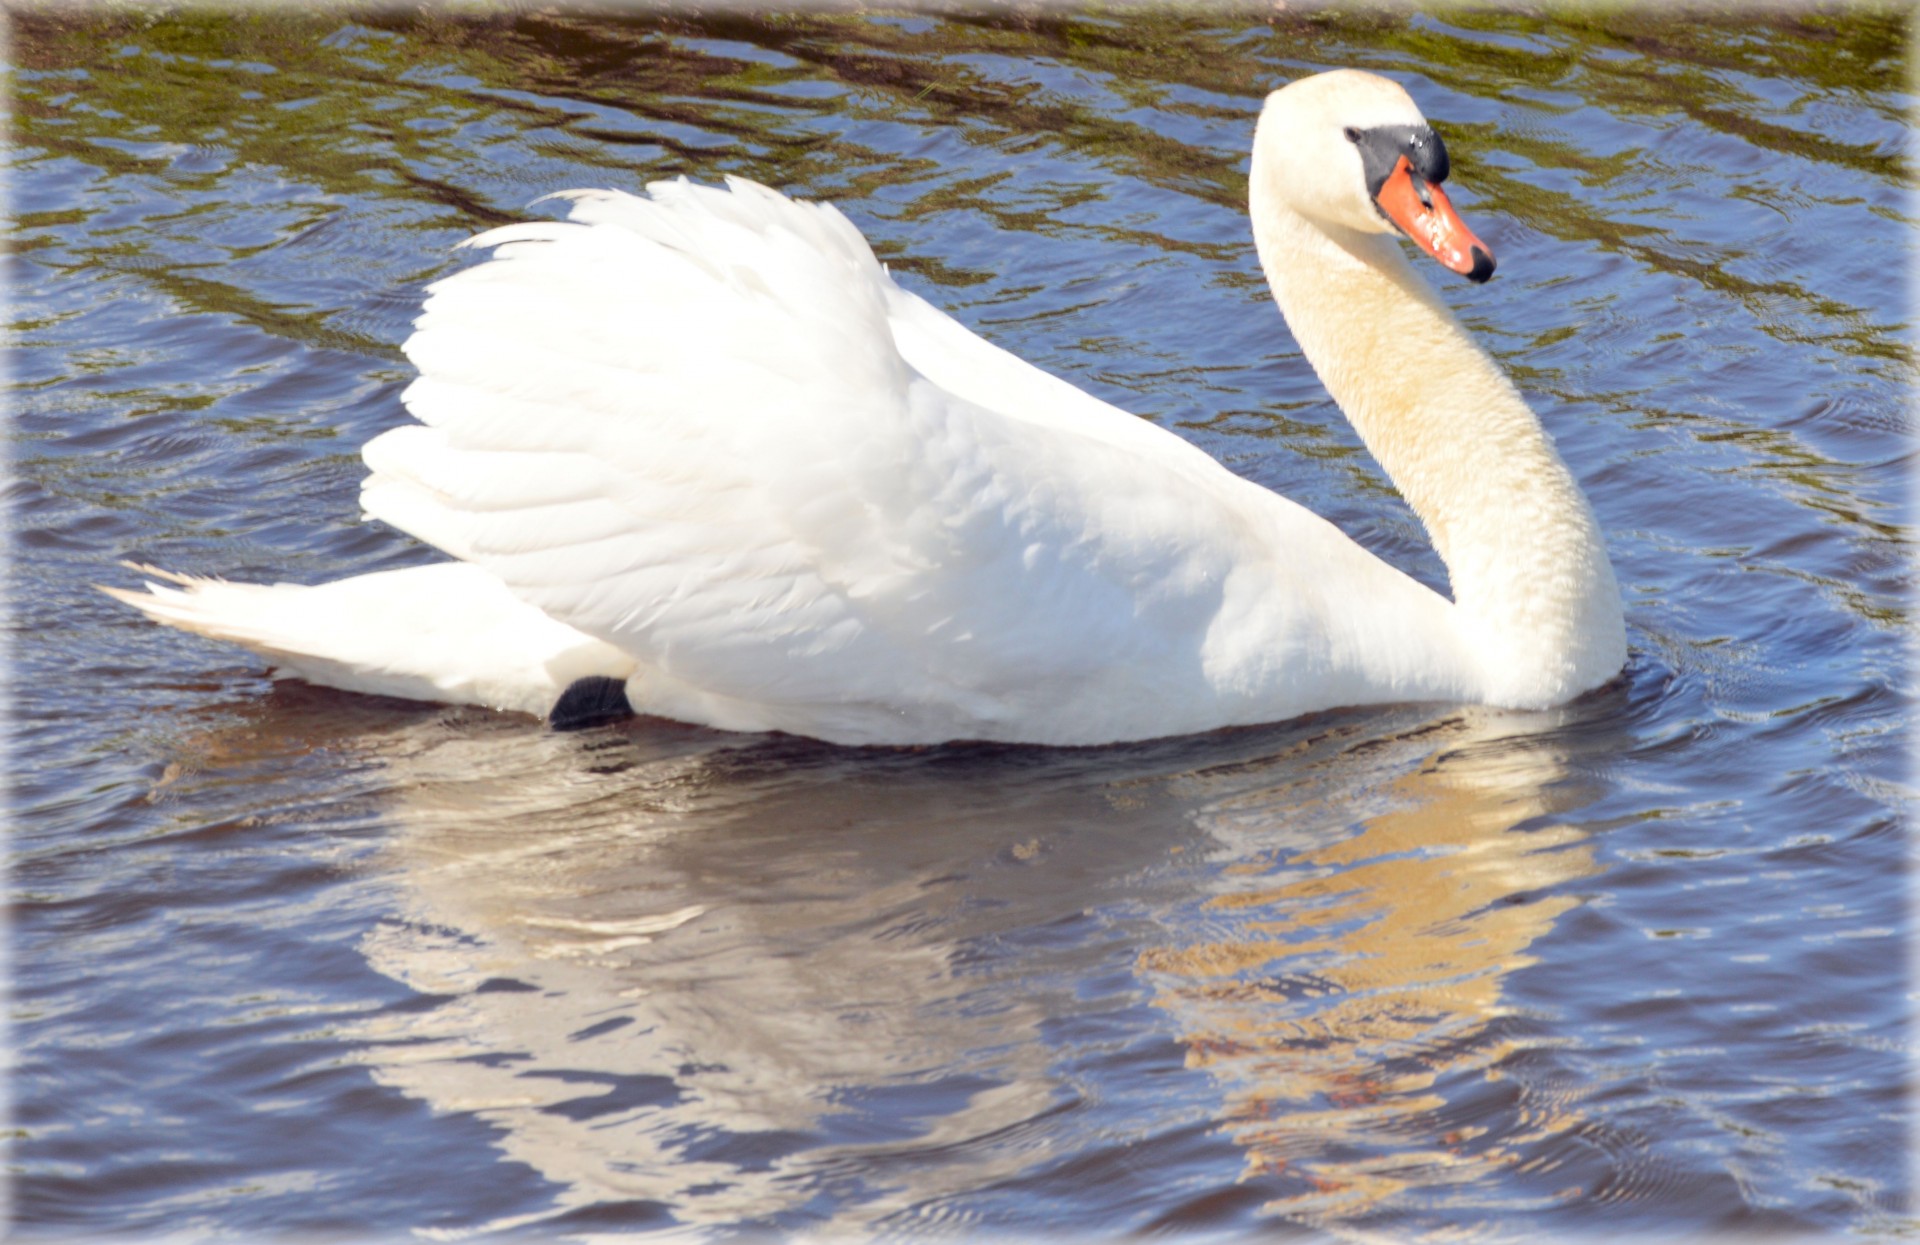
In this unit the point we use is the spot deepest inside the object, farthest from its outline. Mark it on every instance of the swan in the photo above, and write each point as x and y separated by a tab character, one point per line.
696	455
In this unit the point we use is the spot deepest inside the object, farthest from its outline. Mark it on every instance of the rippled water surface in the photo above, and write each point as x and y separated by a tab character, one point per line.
289	960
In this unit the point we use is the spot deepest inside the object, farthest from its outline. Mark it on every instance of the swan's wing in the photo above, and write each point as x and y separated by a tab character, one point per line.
682	424
969	366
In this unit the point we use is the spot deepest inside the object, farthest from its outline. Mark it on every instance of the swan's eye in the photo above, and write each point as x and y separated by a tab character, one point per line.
1353	135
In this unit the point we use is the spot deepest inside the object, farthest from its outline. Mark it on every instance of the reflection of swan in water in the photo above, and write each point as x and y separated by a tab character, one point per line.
1356	975
738	980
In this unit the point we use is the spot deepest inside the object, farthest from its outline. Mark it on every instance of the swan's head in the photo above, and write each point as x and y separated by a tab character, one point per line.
1350	150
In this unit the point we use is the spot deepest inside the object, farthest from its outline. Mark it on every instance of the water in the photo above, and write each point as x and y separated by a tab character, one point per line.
291	961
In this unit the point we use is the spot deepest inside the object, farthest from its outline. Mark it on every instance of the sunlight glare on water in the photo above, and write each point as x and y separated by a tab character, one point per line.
294	961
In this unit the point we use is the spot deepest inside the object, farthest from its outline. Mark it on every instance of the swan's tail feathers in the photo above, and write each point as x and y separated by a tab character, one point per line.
243	614
448	633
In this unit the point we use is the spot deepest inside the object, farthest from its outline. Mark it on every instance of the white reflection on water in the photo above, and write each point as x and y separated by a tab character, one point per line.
703	989
742	978
1356	973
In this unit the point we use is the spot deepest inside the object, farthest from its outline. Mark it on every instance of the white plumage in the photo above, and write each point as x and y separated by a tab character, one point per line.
701	441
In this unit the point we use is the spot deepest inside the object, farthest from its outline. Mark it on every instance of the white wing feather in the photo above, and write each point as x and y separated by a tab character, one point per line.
707	428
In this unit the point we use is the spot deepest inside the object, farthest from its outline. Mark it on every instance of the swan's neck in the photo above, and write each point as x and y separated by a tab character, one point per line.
1535	599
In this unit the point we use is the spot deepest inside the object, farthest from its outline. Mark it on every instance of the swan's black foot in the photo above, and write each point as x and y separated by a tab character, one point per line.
593	701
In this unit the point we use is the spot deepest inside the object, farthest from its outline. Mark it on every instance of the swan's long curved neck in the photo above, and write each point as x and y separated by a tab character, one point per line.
1535	597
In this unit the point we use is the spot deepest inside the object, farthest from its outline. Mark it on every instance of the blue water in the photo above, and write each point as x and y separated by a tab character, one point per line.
290	961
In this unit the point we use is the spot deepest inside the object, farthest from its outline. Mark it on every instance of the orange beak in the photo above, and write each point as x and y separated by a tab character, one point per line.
1423	213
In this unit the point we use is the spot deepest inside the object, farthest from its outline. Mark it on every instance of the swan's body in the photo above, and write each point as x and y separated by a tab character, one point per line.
701	442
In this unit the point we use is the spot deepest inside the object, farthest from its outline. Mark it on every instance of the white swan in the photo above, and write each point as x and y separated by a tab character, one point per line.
699	447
